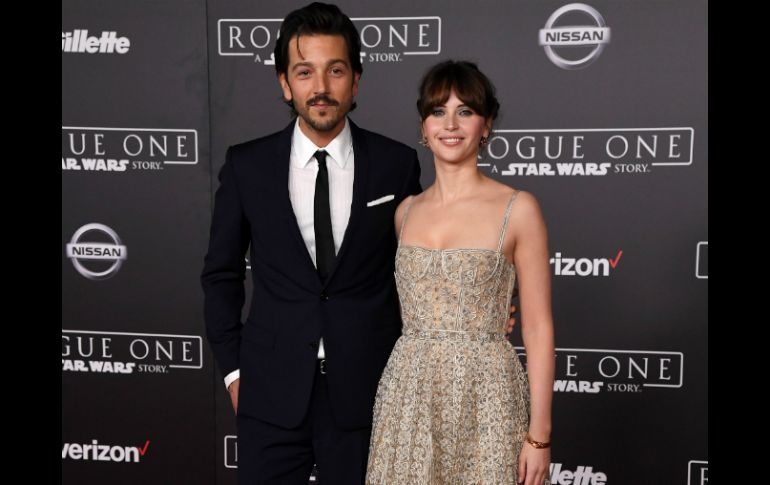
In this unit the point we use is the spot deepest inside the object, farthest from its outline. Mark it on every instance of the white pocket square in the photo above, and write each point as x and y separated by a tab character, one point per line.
381	200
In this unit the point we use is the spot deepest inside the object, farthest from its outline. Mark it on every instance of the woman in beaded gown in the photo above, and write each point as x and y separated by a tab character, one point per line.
453	404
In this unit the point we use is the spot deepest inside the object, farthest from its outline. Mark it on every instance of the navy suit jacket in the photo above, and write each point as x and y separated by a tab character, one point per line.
355	310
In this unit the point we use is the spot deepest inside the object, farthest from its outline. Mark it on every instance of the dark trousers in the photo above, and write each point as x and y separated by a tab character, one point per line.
270	454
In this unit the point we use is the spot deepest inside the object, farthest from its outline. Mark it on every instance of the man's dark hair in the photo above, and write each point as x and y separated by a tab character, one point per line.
317	19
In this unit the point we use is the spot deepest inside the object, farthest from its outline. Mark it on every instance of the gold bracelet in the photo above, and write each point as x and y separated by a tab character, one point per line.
537	444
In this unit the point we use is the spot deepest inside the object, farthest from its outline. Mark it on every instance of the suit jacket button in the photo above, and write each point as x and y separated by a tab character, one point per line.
324	296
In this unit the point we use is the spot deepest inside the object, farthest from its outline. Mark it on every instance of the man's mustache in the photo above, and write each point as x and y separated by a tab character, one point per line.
322	100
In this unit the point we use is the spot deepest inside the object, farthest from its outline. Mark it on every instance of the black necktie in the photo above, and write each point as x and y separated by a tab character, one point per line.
324	238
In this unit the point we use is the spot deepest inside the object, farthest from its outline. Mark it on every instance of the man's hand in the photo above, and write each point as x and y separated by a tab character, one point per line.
233	390
511	323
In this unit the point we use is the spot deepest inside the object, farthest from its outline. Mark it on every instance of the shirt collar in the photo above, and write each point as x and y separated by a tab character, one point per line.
338	149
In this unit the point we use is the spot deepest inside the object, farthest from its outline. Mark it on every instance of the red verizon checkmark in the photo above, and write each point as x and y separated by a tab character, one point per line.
617	258
144	449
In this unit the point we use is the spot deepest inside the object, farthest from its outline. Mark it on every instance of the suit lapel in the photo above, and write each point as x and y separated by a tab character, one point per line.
360	172
283	165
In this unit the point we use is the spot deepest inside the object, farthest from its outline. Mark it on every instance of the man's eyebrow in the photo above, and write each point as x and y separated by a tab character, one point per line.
310	64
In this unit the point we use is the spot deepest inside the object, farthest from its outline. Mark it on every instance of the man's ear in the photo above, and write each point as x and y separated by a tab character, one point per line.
285	86
356	78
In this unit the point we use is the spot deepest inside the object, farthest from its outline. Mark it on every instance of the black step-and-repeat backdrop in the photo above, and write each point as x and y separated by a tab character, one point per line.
604	118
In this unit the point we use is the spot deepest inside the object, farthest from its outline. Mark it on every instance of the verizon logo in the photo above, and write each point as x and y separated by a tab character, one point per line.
95	452
566	266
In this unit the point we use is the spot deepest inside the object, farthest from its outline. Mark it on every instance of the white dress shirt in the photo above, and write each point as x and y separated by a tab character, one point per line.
303	169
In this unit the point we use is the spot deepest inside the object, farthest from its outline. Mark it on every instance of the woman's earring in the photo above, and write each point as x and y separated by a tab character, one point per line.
424	141
484	140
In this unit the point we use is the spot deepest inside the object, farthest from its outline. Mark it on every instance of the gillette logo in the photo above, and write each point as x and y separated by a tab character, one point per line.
582	475
78	41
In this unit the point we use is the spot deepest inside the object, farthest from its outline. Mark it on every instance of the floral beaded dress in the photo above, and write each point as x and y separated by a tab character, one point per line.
452	404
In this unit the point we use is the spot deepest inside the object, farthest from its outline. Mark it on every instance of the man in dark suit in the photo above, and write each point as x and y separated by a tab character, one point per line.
315	202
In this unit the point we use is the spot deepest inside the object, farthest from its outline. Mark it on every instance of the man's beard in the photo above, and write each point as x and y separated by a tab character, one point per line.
331	116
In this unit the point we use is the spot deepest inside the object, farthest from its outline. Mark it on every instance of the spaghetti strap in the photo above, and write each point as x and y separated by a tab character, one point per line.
403	220
505	220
